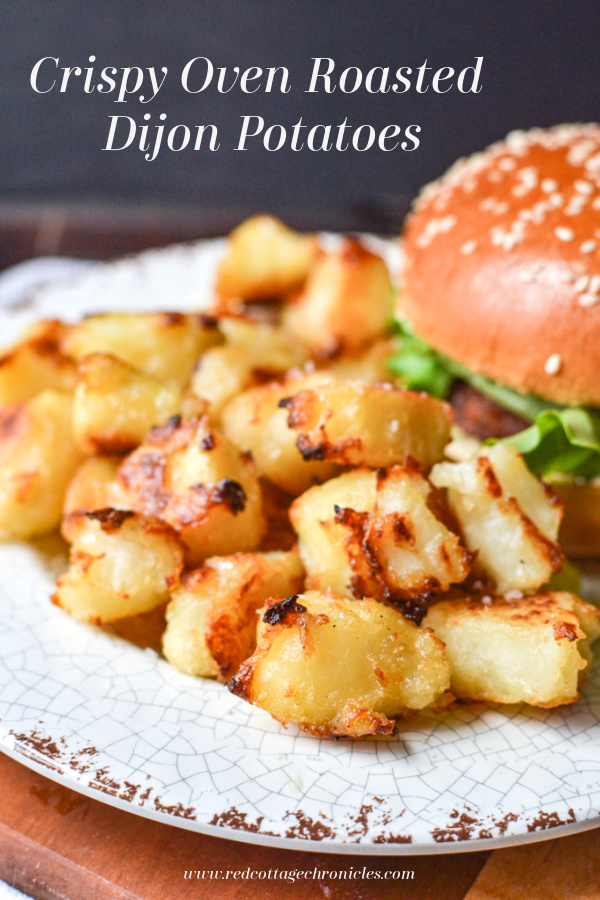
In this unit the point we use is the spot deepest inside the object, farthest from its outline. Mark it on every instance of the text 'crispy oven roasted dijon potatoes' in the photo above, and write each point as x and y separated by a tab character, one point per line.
252	491
341	667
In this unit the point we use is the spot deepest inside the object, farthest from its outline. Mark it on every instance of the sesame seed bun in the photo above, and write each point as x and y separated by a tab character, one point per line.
503	263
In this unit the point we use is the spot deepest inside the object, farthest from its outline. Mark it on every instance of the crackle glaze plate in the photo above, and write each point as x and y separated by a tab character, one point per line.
117	723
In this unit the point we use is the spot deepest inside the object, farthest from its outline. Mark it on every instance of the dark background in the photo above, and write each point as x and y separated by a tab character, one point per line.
541	66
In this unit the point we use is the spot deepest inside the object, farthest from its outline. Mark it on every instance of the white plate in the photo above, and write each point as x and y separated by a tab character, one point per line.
119	724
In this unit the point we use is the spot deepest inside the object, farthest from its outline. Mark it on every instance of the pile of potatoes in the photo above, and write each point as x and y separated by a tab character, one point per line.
255	477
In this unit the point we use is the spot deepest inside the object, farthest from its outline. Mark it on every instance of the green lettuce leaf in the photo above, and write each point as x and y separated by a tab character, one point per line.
560	439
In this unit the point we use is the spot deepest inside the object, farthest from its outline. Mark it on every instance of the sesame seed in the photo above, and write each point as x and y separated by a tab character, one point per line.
595	284
513	595
549	185
583	187
588	246
587	300
553	364
566	276
596	203
564	234
582	283
556	199
507	164
527	276
510	241
468	247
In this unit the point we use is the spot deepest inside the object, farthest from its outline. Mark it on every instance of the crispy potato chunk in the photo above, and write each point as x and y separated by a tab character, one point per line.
121	564
265	259
38	456
257	423
36	364
356	424
253	352
212	617
346	302
369	365
116	405
372	534
191	476
529	650
165	345
93	486
506	514
384	665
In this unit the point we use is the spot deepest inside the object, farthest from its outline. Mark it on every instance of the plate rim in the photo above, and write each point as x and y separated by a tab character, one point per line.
324	845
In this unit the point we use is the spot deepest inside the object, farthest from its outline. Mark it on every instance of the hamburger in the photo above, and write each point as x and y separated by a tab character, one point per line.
500	306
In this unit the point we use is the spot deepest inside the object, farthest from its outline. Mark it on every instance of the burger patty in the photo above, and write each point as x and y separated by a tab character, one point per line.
480	416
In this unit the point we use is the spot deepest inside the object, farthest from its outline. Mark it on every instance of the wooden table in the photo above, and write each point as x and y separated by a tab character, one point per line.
55	843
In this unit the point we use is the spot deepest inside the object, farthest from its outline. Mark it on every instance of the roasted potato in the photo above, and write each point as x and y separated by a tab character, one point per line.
115	405
191	476
341	667
36	364
357	424
93	486
257	423
253	352
264	260
212	617
506	515
372	534
165	345
346	303
526	650
121	564
38	457
369	364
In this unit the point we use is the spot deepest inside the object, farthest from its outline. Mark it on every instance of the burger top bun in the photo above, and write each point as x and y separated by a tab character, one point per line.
503	263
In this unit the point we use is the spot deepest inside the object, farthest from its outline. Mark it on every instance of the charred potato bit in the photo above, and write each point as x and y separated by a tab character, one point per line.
192	477
257	423
528	650
264	260
384	665
38	457
212	617
373	535
165	345
36	364
506	514
116	405
346	303
358	424
121	564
